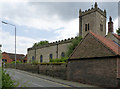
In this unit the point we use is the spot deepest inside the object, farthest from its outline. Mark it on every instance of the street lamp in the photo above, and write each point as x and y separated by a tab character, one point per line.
15	38
0	47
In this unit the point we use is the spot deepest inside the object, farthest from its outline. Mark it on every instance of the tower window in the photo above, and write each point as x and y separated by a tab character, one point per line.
50	56
88	27
85	27
101	27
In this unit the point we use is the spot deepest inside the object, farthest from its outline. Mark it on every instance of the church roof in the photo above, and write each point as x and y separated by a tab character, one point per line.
94	45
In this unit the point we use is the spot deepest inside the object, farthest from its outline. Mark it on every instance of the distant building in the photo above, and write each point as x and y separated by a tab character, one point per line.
10	57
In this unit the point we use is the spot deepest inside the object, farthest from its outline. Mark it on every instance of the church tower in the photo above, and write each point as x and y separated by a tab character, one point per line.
94	20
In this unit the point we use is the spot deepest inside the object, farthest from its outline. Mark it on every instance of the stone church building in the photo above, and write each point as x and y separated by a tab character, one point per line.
93	19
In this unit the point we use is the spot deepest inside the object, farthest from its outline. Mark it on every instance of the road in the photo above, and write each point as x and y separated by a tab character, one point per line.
26	80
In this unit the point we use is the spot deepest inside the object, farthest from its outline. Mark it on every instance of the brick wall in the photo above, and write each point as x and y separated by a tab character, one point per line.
101	72
5	56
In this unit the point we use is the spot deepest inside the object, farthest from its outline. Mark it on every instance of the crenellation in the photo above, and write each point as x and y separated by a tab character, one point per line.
53	43
92	10
88	9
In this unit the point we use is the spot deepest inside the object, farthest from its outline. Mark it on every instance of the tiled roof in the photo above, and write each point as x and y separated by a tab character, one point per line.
109	43
117	36
12	56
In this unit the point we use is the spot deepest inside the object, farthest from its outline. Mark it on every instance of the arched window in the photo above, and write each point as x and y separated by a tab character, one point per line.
50	56
62	54
33	58
41	58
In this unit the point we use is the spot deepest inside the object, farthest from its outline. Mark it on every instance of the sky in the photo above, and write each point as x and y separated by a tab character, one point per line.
52	21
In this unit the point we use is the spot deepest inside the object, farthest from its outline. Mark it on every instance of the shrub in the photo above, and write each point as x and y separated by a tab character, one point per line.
40	43
7	81
18	62
118	31
58	60
71	47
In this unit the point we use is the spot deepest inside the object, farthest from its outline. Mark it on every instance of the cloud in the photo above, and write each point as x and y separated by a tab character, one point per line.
45	15
115	24
71	29
8	43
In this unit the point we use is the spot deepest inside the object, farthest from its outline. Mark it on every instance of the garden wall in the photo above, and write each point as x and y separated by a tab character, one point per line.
54	70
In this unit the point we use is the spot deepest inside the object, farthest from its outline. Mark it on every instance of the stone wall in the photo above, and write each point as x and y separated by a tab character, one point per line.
101	72
54	70
52	48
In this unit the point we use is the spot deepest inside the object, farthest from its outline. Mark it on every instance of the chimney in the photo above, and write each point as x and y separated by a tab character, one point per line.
110	25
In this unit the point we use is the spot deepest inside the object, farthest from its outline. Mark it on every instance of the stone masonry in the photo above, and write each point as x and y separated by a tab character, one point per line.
55	48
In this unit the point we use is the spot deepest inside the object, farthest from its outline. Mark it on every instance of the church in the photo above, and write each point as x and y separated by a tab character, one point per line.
91	20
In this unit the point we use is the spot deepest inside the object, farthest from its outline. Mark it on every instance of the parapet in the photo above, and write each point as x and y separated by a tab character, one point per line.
69	40
93	9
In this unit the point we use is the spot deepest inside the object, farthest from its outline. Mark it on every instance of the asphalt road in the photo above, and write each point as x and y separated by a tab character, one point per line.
25	80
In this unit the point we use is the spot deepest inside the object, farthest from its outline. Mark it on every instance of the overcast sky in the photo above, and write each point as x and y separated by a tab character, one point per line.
36	21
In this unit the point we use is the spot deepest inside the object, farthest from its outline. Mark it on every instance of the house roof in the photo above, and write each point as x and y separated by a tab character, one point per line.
12	56
116	36
109	43
101	48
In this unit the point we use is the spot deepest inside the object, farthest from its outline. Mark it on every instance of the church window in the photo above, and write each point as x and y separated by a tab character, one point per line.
33	58
85	27
50	56
62	54
41	58
101	27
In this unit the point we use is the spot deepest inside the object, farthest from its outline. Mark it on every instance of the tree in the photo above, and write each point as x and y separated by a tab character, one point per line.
75	42
118	31
40	43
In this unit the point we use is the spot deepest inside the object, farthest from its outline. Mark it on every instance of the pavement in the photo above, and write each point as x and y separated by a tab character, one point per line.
27	79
